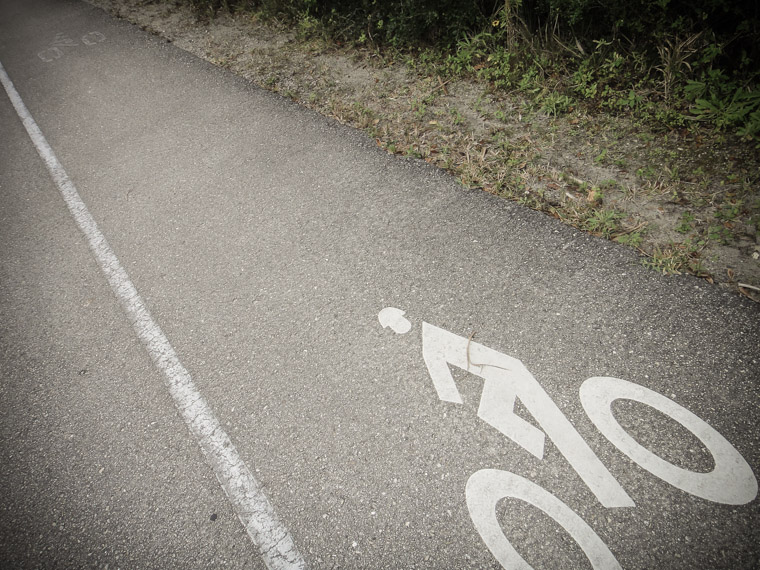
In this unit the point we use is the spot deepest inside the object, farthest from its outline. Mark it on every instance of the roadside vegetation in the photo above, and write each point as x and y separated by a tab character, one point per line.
674	63
634	120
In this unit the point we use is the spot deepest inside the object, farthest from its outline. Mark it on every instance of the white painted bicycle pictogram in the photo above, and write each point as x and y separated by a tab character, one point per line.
62	41
506	380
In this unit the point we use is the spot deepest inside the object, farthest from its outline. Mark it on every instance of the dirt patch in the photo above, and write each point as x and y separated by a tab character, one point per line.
688	201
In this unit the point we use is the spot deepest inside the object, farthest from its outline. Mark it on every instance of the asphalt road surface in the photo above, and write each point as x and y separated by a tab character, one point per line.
235	333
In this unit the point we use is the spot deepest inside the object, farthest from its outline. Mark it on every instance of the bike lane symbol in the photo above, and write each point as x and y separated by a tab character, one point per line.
62	41
506	379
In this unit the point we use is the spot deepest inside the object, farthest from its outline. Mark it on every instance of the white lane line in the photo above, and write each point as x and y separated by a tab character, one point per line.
251	505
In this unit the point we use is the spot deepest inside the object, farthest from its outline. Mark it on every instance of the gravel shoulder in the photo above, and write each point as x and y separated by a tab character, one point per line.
688	201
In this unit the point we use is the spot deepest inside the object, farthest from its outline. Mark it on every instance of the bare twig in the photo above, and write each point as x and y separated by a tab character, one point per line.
630	230
469	342
442	85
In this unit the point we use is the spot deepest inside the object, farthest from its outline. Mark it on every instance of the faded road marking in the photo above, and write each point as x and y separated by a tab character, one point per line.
55	51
